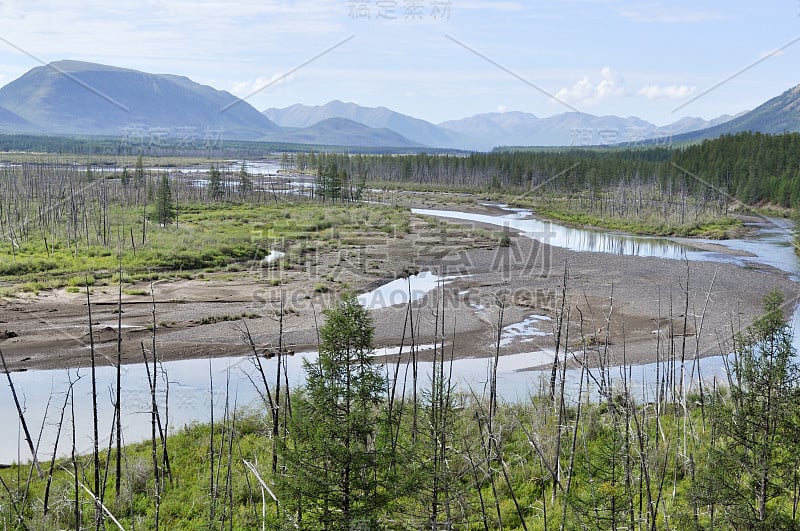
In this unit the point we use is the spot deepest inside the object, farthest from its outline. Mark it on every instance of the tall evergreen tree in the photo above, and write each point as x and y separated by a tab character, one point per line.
125	178
332	454
165	208
138	172
331	182
215	186
755	455
245	181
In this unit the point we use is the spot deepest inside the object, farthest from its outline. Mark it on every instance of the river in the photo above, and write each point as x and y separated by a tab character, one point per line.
190	388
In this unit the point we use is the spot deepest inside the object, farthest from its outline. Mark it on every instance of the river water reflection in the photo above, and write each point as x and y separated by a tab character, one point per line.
190	381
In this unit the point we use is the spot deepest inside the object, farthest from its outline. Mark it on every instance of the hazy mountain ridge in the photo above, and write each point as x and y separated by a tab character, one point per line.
780	114
567	129
342	132
415	129
488	130
73	97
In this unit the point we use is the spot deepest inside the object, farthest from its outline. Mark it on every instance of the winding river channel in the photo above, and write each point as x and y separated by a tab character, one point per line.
190	389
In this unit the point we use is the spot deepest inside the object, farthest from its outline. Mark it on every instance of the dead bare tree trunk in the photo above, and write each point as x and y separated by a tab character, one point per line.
493	375
154	446
276	411
478	489
559	327
414	367
571	467
73	458
55	451
118	397
212	489
98	516
21	415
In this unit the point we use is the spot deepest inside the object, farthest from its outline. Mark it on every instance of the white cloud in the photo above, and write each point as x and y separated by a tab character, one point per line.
673	92
586	92
249	87
501	108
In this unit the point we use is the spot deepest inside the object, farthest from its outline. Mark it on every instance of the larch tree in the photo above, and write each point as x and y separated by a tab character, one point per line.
165	208
332	456
755	452
245	181
215	185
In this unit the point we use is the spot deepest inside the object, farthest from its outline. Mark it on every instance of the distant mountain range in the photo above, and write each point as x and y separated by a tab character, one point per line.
419	131
566	129
485	131
781	114
78	98
72	97
342	131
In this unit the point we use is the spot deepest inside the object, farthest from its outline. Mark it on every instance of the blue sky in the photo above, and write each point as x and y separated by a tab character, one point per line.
434	59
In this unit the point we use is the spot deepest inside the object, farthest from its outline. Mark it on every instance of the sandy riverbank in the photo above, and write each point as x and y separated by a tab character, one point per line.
612	302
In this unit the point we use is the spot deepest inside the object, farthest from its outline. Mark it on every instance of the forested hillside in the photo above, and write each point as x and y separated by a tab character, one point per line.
752	167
